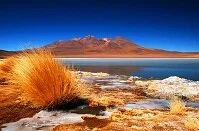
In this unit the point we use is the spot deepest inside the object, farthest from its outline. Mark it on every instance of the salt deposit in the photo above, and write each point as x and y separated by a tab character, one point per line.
171	86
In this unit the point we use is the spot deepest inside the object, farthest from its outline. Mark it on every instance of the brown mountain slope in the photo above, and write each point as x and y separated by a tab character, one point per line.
4	54
90	46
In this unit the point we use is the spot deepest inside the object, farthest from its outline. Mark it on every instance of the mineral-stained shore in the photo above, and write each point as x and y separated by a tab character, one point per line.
114	102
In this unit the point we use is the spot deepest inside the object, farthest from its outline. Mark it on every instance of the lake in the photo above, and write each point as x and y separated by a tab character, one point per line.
152	68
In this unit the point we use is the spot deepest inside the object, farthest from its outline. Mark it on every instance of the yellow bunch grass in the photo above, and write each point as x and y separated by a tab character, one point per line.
41	80
192	124
177	106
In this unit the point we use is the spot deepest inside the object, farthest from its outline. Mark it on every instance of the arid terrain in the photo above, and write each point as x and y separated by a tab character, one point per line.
39	93
112	103
99	65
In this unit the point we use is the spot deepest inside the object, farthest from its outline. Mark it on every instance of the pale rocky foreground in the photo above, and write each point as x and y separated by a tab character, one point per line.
137	106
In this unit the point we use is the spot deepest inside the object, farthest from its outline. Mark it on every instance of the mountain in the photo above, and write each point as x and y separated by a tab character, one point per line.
90	46
4	54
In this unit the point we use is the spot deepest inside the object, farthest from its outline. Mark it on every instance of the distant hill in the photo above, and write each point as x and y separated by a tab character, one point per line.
90	46
4	54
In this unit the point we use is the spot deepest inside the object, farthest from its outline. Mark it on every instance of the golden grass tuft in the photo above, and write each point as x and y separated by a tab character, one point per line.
192	124
177	106
41	80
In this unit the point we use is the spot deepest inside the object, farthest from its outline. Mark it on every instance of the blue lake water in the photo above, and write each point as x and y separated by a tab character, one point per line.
147	68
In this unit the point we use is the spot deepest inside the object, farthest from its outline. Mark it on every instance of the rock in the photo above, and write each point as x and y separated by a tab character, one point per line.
43	119
134	78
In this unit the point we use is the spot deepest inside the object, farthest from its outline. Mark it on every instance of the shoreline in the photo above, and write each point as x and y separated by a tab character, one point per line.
122	58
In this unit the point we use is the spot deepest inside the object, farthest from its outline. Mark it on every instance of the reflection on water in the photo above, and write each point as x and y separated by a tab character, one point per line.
116	70
146	68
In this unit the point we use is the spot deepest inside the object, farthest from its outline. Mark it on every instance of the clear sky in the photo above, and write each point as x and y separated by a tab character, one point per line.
163	24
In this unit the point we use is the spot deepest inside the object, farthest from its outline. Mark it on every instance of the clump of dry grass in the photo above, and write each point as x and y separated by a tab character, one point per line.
192	124
177	106
41	80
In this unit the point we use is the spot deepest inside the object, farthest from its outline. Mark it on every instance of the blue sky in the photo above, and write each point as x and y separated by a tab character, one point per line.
163	24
